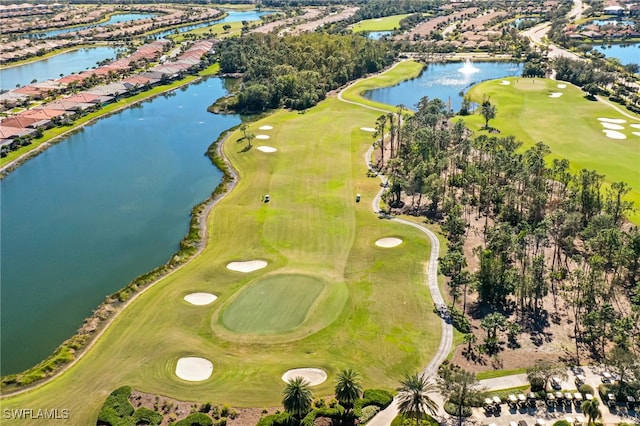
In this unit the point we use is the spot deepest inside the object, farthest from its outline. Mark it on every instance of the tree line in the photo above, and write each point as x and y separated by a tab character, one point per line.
296	71
545	231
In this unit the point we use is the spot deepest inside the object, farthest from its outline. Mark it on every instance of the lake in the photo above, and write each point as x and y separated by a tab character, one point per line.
88	215
232	16
51	68
626	53
444	81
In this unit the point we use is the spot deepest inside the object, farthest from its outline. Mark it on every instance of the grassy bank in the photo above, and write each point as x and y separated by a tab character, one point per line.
568	124
387	23
372	311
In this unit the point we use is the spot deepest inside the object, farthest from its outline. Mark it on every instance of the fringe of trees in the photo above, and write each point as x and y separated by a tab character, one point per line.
545	231
297	71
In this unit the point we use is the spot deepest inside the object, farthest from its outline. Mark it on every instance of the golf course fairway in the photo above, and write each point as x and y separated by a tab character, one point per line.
364	307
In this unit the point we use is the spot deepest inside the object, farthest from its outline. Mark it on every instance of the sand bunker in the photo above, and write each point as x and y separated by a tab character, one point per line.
562	86
555	95
367	129
265	128
635	126
314	376
612	120
262	136
194	369
505	82
266	149
200	299
388	242
611	126
635	133
614	134
248	266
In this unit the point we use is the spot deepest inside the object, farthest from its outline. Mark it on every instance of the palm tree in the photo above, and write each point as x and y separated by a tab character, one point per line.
348	388
249	138
413	397
591	410
297	397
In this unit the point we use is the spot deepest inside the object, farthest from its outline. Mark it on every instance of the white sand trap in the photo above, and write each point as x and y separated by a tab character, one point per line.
367	129
562	86
262	136
611	126
555	95
265	128
200	299
388	242
248	266
613	120
194	369
614	134
314	376
635	133
635	126
266	148
505	82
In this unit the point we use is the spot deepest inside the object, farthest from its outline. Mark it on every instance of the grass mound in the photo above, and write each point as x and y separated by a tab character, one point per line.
275	304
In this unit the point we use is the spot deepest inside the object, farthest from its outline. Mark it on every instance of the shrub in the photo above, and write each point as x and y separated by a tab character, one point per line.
378	397
585	388
367	413
195	419
537	384
452	409
146	416
117	407
460	322
279	419
562	423
205	408
400	420
332	413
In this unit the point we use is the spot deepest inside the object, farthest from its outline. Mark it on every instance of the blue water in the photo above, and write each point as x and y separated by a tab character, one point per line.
377	35
627	54
91	213
232	16
115	19
601	22
444	81
51	68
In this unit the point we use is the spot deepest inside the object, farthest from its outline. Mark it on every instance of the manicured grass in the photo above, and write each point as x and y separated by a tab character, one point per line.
567	124
387	23
402	71
492	374
275	304
377	317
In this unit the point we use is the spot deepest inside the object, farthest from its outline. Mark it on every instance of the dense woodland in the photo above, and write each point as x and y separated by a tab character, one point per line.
297	71
549	238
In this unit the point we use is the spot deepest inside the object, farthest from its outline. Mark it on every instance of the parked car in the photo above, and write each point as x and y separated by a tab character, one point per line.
556	383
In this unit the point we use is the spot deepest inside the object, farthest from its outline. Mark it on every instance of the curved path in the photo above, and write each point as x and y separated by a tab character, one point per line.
385	417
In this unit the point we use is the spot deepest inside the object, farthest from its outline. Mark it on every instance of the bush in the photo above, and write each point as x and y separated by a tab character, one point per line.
205	408
378	397
117	408
332	413
585	388
537	384
400	420
195	419
367	414
460	322
146	416
562	423
280	419
452	409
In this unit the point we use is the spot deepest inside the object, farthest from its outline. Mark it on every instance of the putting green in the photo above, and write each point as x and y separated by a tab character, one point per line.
275	304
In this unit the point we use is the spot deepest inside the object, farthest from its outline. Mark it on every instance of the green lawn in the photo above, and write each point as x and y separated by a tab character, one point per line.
568	124
388	23
373	314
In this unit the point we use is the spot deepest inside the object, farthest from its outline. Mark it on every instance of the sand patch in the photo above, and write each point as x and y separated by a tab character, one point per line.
562	86
614	134
505	82
262	136
194	369
388	242
314	376
635	133
612	120
555	95
635	126
200	299
266	127
264	148
248	266
611	126
367	129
